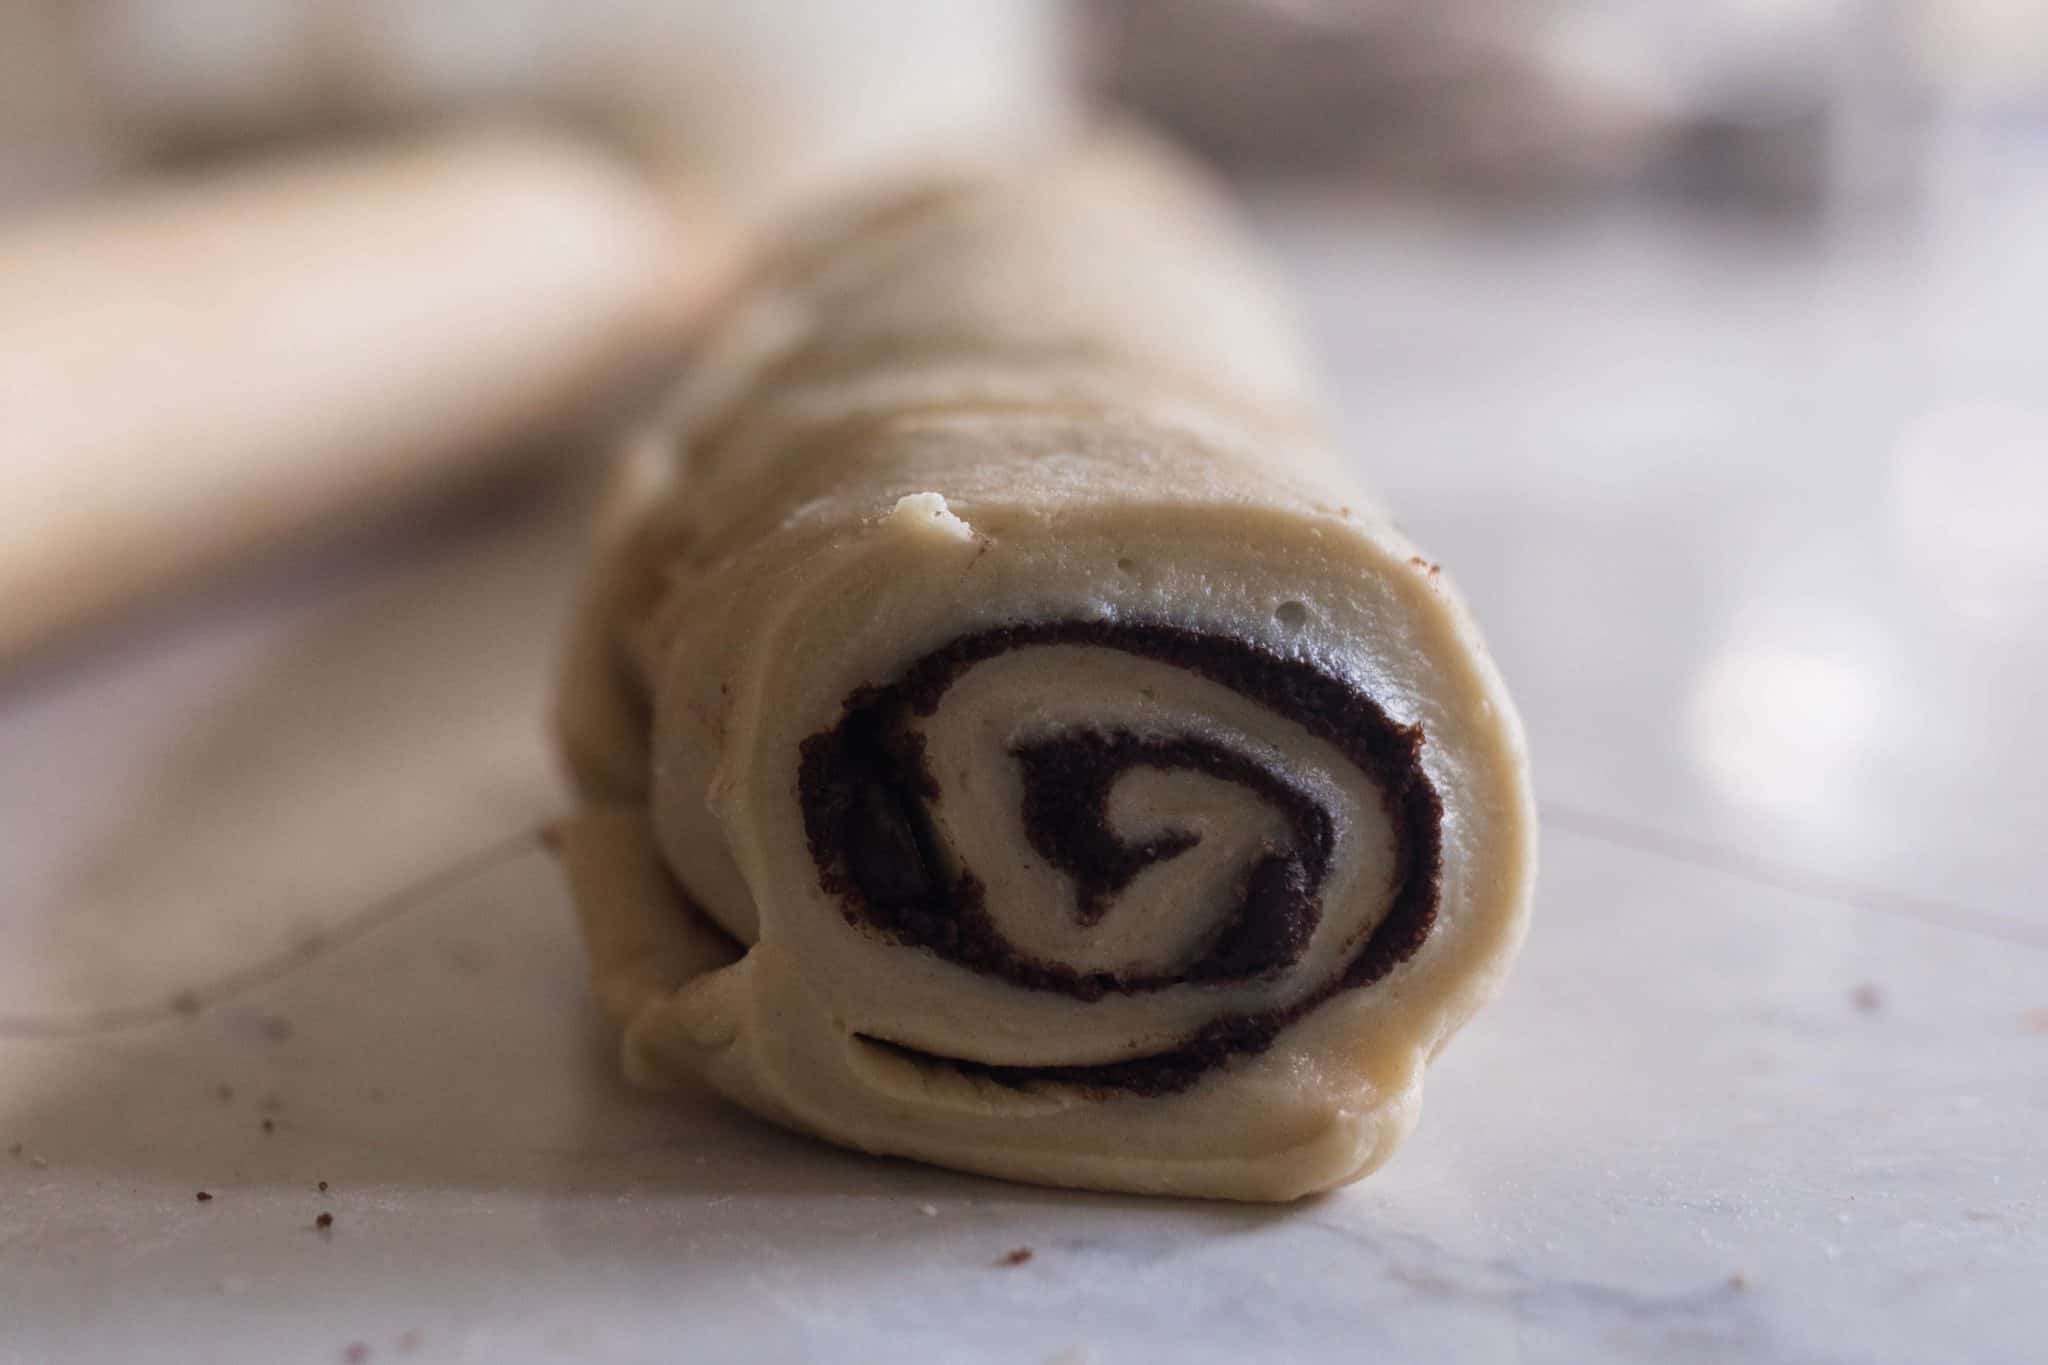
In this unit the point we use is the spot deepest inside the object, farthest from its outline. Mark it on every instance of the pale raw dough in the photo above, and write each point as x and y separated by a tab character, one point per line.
1066	394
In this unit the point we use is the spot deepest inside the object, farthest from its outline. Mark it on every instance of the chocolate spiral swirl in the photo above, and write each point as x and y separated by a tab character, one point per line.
864	785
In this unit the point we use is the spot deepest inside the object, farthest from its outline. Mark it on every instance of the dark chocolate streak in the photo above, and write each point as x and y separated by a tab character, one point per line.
863	785
1067	781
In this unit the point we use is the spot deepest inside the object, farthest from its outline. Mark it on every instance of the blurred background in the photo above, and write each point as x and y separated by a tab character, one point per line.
289	162
1785	100
1704	341
172	150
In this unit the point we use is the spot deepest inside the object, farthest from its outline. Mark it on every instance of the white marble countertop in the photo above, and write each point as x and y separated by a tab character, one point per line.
1754	519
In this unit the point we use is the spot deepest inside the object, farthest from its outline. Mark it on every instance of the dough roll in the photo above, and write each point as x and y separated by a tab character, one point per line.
1009	737
218	367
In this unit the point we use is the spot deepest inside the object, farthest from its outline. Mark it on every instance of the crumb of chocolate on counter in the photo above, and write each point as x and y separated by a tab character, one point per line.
270	1125
185	1002
323	1187
355	1353
203	1197
223	1093
1867	998
325	1222
1738	1281
1016	1256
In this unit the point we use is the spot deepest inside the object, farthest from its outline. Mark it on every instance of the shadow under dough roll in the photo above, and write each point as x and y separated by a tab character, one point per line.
1008	736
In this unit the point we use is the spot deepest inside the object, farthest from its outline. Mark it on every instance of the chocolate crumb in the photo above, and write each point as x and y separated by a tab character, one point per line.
224	1093
355	1353
323	1187
1016	1256
203	1197
1738	1281
185	1002
270	1125
324	1222
1867	998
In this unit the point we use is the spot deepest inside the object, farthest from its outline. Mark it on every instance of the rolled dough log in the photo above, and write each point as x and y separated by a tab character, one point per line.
1008	735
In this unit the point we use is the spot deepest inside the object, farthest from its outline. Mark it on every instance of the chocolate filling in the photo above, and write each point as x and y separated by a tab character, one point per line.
1067	782
863	783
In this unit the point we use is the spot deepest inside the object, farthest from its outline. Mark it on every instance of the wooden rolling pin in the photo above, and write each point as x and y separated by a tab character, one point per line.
212	368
